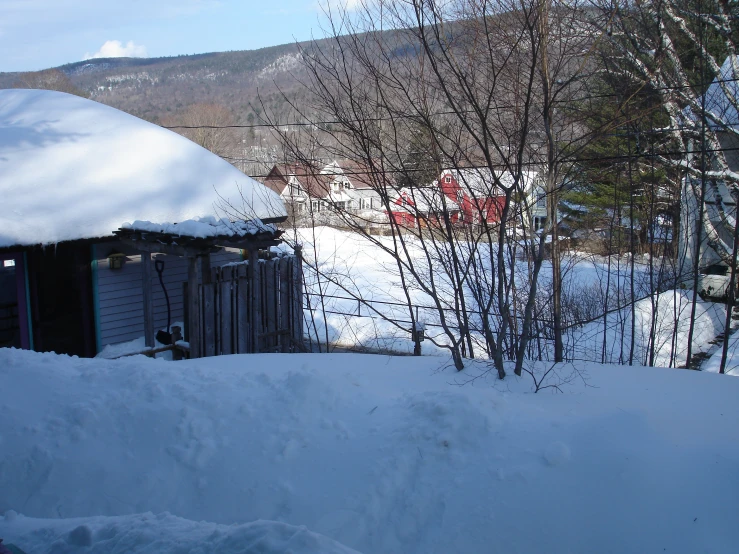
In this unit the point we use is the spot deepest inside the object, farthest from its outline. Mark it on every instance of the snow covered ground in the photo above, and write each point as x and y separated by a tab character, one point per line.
713	363
382	454
662	324
352	267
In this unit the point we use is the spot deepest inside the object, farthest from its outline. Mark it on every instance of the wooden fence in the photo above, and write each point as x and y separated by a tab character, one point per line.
244	311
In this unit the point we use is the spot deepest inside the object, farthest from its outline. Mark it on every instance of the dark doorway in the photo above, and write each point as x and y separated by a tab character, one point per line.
13	307
61	299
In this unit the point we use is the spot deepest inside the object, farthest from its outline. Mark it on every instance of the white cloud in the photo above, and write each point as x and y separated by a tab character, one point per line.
348	5
116	49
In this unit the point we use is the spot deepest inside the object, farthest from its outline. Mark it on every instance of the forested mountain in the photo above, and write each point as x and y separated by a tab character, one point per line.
155	88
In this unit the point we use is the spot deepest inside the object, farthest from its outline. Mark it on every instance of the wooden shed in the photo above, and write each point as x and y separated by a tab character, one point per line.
92	198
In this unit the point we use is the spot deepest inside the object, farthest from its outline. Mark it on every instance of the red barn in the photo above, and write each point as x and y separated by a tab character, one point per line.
475	192
423	204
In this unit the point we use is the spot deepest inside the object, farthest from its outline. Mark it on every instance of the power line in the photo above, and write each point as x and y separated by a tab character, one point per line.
411	116
498	166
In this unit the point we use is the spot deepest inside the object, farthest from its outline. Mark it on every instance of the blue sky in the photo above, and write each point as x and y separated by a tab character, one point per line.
37	34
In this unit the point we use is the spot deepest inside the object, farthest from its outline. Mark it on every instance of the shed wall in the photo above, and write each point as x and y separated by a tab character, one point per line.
120	306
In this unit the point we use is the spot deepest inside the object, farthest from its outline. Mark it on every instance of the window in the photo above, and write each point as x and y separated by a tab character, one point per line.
448	179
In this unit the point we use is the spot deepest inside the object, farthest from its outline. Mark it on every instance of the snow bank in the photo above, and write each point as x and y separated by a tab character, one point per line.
72	168
163	534
713	364
661	322
382	454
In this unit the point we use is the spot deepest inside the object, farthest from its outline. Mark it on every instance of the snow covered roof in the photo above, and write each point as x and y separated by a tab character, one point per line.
424	200
71	168
205	227
479	181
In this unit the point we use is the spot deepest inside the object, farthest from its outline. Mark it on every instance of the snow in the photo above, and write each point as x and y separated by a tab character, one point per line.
672	311
383	454
713	363
135	346
167	534
204	227
353	267
91	168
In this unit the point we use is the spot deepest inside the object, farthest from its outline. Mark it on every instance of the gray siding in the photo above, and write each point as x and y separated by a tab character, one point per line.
120	311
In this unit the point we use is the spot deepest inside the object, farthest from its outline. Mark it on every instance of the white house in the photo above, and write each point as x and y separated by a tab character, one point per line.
721	193
319	188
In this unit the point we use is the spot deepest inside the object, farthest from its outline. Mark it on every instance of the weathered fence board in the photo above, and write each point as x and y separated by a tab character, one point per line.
210	317
283	277
243	337
252	309
226	300
270	301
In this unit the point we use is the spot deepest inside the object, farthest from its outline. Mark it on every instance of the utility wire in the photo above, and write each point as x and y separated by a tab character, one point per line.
411	116
486	167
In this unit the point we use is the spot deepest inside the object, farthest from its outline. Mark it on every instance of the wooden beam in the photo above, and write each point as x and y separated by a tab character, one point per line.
205	274
245	244
193	303
172	249
148	299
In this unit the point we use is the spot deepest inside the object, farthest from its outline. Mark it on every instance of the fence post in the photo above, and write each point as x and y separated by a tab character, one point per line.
297	299
148	302
225	297
270	304
176	336
284	315
193	300
255	315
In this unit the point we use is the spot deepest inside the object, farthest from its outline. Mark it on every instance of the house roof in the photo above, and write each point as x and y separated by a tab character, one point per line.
363	176
479	181
424	200
71	168
311	179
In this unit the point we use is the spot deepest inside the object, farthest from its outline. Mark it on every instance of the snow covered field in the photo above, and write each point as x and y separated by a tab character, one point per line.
352	267
382	454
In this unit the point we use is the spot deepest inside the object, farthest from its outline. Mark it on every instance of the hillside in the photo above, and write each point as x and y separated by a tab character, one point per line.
153	88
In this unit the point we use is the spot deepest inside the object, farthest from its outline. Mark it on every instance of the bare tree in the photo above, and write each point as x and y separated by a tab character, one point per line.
49	79
481	88
207	125
683	52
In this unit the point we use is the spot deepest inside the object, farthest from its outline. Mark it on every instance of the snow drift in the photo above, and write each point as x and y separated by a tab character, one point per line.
385	455
661	327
